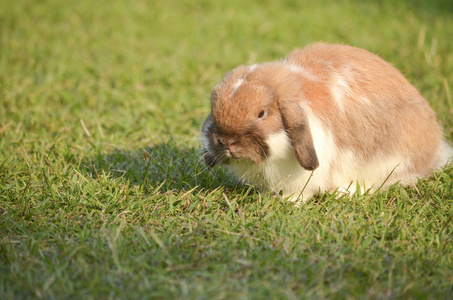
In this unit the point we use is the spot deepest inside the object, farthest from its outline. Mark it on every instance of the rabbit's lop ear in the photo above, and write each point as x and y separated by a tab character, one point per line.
296	125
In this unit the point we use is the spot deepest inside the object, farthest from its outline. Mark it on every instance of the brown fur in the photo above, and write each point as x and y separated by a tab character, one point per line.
234	116
398	119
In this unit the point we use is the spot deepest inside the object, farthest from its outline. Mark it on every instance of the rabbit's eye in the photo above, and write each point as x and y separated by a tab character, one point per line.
261	114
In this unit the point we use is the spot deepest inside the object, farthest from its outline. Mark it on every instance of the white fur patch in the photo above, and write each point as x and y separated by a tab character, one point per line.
370	174
279	144
236	86
445	155
340	89
326	152
298	69
322	139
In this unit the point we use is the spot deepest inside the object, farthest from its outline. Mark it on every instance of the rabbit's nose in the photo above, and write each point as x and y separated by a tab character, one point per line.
230	145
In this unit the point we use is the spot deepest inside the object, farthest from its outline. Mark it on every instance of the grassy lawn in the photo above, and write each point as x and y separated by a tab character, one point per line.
103	192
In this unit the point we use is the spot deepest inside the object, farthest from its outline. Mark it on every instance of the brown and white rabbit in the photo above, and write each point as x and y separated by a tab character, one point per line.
339	111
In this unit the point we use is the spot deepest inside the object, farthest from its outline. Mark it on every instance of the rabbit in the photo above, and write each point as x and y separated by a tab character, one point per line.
327	118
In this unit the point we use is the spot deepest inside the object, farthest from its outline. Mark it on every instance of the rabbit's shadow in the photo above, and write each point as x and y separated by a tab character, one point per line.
169	166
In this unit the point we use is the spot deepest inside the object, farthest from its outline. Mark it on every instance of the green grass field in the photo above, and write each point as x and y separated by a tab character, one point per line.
103	192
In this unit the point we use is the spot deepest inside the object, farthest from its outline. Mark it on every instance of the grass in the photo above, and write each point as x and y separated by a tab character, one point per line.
103	193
